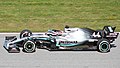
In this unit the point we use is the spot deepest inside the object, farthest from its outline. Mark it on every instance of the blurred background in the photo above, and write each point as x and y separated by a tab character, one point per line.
41	15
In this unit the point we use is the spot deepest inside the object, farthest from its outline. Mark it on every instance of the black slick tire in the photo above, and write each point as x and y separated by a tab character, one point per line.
103	45
29	46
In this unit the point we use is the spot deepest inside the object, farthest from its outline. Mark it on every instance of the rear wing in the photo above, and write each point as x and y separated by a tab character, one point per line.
110	32
109	29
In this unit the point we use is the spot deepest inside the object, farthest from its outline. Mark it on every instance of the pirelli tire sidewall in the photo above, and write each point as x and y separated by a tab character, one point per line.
29	46
103	45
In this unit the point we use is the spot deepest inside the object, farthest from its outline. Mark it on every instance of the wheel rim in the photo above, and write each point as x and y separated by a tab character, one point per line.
104	46
29	46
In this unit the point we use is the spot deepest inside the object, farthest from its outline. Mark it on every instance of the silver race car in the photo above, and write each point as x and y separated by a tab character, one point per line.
68	39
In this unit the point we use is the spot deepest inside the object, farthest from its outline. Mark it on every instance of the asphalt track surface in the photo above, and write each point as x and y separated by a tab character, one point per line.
59	59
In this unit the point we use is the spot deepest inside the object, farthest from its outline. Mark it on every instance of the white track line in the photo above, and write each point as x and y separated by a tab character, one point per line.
9	33
19	33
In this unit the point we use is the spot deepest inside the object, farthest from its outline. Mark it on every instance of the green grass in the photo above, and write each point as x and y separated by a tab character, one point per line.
41	15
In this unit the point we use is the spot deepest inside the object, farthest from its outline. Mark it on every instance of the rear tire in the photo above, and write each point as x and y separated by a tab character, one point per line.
25	33
103	45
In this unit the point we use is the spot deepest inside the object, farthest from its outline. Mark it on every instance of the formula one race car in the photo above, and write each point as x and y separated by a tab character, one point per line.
69	39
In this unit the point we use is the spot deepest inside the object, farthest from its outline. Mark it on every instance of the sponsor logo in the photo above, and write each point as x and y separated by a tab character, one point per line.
68	42
96	35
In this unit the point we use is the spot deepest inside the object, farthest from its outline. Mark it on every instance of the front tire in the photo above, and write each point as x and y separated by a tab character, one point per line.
103	45
29	46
